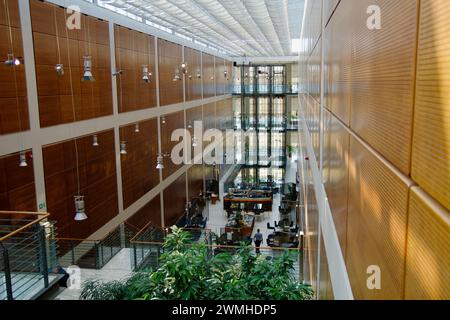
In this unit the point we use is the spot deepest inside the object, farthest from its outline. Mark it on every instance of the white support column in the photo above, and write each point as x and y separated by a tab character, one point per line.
33	106
112	47
158	123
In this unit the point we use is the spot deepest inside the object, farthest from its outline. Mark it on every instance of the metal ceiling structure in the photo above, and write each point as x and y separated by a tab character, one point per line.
254	28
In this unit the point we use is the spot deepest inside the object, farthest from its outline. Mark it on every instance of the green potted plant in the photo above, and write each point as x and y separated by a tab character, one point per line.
290	150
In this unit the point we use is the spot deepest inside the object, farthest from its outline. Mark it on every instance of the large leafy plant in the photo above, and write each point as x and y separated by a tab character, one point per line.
190	272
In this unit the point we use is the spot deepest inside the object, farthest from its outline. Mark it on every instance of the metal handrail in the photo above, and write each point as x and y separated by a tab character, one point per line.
44	215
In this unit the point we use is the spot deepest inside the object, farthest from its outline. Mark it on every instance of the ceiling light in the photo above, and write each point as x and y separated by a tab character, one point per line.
87	65
80	213
23	159
95	141
146	75
59	69
123	147
136	128
176	75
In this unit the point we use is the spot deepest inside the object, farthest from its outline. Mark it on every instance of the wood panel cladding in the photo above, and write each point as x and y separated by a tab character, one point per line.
383	69
428	255
195	180
172	121
209	86
96	169
377	218
335	160
13	91
431	148
134	50
139	173
224	114
337	59
174	201
151	212
17	191
193	59
169	59
66	98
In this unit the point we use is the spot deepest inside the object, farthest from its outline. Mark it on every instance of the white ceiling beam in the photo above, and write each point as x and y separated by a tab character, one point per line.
279	15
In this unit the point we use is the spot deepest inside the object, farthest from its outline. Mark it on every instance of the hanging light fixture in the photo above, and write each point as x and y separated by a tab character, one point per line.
23	159
225	73
194	142
160	160
146	74
94	140
12	61
87	64
163	120
136	128
199	75
176	75
211	78
80	213
59	69
184	67
123	147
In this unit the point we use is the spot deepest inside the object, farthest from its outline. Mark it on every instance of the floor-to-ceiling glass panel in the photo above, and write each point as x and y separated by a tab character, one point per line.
263	112
278	79
278	113
263	76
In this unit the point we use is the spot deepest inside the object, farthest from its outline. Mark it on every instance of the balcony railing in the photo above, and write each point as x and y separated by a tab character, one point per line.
27	255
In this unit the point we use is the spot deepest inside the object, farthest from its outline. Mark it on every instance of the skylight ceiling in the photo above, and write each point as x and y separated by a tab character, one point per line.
235	27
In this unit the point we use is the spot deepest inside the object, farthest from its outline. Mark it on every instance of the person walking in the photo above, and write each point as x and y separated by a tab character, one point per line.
258	240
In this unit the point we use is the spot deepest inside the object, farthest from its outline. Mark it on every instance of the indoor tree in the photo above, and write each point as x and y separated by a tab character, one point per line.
189	272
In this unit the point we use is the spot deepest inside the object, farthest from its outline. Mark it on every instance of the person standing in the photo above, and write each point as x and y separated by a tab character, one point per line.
258	240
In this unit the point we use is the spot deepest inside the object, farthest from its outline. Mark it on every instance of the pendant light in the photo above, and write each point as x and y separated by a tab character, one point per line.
95	141
225	73
23	159
136	128
184	67
146	75
163	120
59	69
123	147
199	75
194	142
80	213
160	160
176	75
87	65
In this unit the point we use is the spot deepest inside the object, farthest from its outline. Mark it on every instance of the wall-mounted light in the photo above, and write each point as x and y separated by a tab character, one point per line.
163	120
190	77
176	75
94	140
23	159
80	211
146	74
117	73
199	75
123	147
189	126
225	73
184	67
59	69
87	65
211	78
160	160
136	128
12	61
